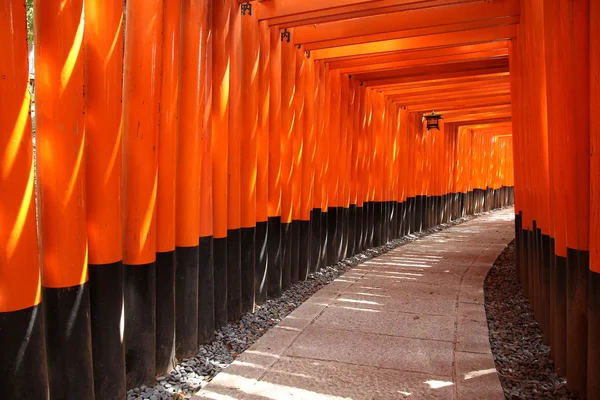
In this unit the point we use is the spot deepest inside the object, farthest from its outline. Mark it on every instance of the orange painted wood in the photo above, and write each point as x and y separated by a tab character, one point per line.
298	133
288	112
234	188
321	13
428	41
594	139
206	185
190	117
309	142
220	116
262	133
389	23
60	144
250	119
568	111
274	202
19	258
103	59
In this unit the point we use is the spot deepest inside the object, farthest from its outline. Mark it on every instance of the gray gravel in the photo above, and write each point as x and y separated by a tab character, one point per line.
190	375
523	361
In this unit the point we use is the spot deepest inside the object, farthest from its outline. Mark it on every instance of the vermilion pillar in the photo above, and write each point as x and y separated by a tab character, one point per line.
262	263
219	152
61	167
166	190
141	94
206	282
307	232
567	27
249	163
332	130
103	79
274	190
23	374
190	154
593	385
288	79
234	271
298	155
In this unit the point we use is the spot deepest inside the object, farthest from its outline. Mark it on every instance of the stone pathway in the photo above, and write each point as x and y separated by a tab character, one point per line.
408	324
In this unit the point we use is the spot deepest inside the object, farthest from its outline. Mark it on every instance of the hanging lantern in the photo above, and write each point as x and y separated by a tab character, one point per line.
433	120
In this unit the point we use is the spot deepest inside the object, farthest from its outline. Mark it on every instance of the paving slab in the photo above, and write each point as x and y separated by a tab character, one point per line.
409	324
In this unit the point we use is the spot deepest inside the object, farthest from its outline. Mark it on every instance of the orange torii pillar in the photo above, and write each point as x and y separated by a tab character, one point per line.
262	168
206	274
248	163
332	131
323	148
23	374
166	190
103	41
593	383
288	111
234	205
343	169
353	229
274	272
190	154
61	168
314	111
567	27
369	153
297	155
403	170
141	84
219	152
362	174
308	156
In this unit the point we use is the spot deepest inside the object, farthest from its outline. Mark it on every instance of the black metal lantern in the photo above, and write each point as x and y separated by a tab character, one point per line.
433	120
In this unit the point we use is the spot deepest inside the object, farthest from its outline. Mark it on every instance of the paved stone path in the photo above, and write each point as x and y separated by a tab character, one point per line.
408	324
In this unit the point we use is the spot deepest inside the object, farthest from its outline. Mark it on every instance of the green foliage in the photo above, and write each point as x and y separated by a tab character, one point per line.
29	9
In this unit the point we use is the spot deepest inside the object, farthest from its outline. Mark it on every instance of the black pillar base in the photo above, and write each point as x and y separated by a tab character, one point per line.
248	258
352	231
295	248
220	280
332	235
359	229
577	320
261	262
186	298
69	341
23	373
304	250
286	255
234	275
593	369
165	313
140	324
315	235
378	223
559	332
206	291
108	351
324	242
274	271
546	289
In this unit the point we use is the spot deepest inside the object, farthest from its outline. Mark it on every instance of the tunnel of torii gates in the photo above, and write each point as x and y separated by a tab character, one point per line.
195	158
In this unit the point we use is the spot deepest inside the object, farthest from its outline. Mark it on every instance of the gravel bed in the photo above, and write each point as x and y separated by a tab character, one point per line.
523	361
190	375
